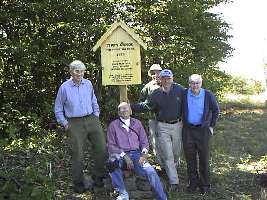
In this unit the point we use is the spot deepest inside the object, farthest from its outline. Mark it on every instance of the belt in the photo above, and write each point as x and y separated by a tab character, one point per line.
82	117
170	121
195	125
131	151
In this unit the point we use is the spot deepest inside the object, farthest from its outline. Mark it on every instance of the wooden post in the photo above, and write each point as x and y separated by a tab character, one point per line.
123	93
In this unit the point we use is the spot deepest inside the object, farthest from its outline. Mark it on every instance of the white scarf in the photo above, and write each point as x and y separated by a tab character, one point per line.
126	124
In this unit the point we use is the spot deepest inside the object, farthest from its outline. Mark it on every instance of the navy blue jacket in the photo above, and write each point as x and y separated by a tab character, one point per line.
166	106
211	110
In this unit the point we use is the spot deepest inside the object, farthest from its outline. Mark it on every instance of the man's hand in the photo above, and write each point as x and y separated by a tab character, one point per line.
128	161
142	159
66	127
211	130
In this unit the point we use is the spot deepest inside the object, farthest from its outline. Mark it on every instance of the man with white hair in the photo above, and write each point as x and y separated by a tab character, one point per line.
200	113
147	90
128	147
77	110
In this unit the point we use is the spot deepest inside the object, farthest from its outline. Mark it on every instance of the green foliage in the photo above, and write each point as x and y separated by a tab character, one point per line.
32	185
242	103
15	123
24	174
39	39
241	85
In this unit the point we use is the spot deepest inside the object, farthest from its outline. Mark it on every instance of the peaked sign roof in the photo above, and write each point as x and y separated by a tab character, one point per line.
112	28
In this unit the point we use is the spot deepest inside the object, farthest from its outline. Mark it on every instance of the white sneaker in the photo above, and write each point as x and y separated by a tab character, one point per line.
123	196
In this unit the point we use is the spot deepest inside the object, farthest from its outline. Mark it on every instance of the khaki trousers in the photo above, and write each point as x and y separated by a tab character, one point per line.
153	139
170	143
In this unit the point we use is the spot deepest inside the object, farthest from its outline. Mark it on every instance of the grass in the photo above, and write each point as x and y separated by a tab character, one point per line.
238	156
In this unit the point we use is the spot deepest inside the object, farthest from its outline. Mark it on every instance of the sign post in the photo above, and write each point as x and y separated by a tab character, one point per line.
120	57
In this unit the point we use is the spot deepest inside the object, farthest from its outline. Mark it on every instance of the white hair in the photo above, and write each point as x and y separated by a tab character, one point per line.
123	104
76	64
195	78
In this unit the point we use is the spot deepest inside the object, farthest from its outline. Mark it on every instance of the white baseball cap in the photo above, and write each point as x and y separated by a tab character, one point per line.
154	67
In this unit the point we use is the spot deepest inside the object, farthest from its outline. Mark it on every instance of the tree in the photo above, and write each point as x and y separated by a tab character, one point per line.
40	38
183	36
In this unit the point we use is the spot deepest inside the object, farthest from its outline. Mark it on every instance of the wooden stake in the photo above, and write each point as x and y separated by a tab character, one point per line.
123	93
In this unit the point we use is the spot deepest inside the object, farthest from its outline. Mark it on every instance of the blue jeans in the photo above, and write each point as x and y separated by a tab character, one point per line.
146	171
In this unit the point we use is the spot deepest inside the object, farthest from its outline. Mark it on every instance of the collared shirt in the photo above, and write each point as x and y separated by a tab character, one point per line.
126	124
75	101
195	106
119	140
167	106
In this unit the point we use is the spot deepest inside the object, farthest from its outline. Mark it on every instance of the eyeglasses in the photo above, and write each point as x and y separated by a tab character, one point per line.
124	109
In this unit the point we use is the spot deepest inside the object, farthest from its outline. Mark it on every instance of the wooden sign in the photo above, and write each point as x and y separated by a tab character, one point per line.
120	55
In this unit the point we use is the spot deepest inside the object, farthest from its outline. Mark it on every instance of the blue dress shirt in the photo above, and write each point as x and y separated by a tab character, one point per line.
195	106
75	101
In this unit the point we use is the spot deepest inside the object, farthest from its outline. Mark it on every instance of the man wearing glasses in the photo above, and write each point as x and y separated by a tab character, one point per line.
200	113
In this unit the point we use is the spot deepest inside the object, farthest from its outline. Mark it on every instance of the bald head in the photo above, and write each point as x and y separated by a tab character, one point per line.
124	110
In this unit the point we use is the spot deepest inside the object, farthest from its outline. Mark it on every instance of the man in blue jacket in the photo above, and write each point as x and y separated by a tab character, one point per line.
200	113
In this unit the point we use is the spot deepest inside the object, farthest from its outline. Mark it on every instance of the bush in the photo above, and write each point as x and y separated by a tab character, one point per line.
14	123
241	85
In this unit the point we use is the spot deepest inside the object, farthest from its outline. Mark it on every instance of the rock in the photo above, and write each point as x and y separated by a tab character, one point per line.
130	183
88	182
137	194
142	184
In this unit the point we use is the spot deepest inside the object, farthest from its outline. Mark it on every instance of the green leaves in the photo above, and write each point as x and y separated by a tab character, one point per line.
43	37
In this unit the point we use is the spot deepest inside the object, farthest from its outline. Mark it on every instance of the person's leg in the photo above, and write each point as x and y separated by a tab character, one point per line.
203	149
117	180
97	138
146	170
190	153
165	141
177	142
154	140
77	139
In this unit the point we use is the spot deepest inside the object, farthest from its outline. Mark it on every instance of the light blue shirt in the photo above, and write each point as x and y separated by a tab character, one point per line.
75	101
195	106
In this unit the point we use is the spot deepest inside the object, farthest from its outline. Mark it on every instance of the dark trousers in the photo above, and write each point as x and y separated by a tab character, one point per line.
81	130
196	150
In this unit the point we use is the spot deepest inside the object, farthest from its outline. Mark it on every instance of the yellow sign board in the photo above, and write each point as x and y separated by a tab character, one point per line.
120	56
